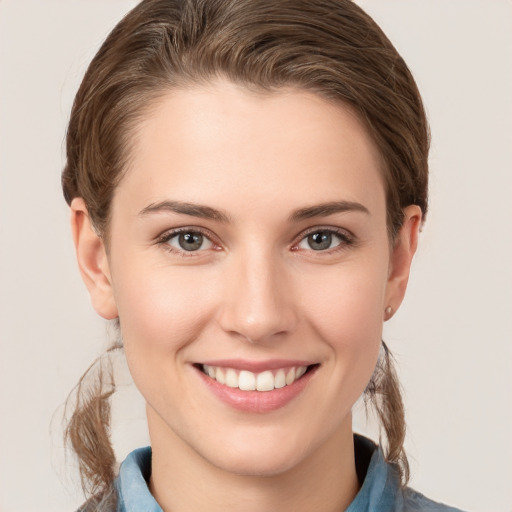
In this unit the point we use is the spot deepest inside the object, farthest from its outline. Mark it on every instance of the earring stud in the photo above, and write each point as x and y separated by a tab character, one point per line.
388	310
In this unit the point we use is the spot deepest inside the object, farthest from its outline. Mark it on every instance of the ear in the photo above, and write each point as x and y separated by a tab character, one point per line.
402	252
92	261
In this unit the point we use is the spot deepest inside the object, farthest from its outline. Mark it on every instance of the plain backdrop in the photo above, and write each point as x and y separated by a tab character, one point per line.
452	337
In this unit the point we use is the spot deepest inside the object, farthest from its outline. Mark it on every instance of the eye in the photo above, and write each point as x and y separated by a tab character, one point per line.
323	240
188	241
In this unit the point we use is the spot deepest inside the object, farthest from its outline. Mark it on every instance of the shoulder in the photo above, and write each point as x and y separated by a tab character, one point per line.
129	490
381	489
102	502
414	501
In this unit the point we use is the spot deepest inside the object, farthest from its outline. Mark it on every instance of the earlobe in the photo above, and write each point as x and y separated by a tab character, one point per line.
92	261
402	254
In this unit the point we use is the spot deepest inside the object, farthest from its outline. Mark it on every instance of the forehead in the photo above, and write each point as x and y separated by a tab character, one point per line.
223	145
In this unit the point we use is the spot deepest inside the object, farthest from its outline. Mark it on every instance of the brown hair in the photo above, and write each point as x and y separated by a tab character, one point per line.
330	47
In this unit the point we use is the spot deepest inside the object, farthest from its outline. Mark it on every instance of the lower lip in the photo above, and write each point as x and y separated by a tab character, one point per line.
257	401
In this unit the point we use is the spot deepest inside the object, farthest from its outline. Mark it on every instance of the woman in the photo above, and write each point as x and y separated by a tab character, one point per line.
247	181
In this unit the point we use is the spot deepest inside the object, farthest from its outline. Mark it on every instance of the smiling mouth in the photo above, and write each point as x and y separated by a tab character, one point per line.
245	380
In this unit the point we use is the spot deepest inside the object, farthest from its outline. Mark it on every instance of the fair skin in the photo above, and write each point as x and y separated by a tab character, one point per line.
265	281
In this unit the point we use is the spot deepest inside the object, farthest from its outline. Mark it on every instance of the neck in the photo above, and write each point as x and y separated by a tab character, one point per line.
183	480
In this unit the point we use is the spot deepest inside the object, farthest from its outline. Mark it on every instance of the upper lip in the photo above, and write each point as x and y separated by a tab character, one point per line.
256	366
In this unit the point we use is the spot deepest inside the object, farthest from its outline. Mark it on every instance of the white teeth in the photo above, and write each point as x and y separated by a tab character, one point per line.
280	379
301	370
231	378
219	376
265	381
290	376
249	381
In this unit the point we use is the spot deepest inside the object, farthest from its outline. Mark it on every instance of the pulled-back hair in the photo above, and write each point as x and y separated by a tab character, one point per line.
329	47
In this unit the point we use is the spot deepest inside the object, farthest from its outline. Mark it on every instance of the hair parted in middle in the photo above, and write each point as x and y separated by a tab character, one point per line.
329	47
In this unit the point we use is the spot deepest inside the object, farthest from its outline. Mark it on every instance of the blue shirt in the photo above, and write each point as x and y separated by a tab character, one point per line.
380	491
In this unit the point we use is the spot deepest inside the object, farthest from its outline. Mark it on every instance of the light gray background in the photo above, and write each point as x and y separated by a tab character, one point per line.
452	336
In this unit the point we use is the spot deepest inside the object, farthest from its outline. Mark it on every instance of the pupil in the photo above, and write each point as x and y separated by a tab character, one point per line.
319	241
190	241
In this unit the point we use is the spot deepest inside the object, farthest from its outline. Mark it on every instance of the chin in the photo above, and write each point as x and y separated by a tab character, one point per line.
264	465
264	457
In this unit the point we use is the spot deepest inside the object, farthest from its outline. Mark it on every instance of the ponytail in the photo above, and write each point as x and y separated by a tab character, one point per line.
383	394
88	429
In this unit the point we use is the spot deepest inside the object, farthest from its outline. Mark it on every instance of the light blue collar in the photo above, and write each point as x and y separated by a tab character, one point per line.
132	489
381	490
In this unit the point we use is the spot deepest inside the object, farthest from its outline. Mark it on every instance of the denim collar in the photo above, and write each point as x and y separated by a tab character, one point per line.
380	490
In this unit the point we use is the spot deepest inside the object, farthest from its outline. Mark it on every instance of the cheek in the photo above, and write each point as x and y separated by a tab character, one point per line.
345	310
347	300
161	309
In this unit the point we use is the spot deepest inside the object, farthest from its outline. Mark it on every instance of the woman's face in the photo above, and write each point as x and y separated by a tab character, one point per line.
248	243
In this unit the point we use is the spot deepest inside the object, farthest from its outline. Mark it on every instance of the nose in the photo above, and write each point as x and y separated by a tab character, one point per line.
258	303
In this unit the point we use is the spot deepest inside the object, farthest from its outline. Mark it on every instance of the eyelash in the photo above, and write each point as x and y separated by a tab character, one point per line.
164	239
346	238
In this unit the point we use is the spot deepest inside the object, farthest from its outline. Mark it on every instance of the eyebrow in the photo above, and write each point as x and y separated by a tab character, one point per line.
326	209
207	212
192	209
